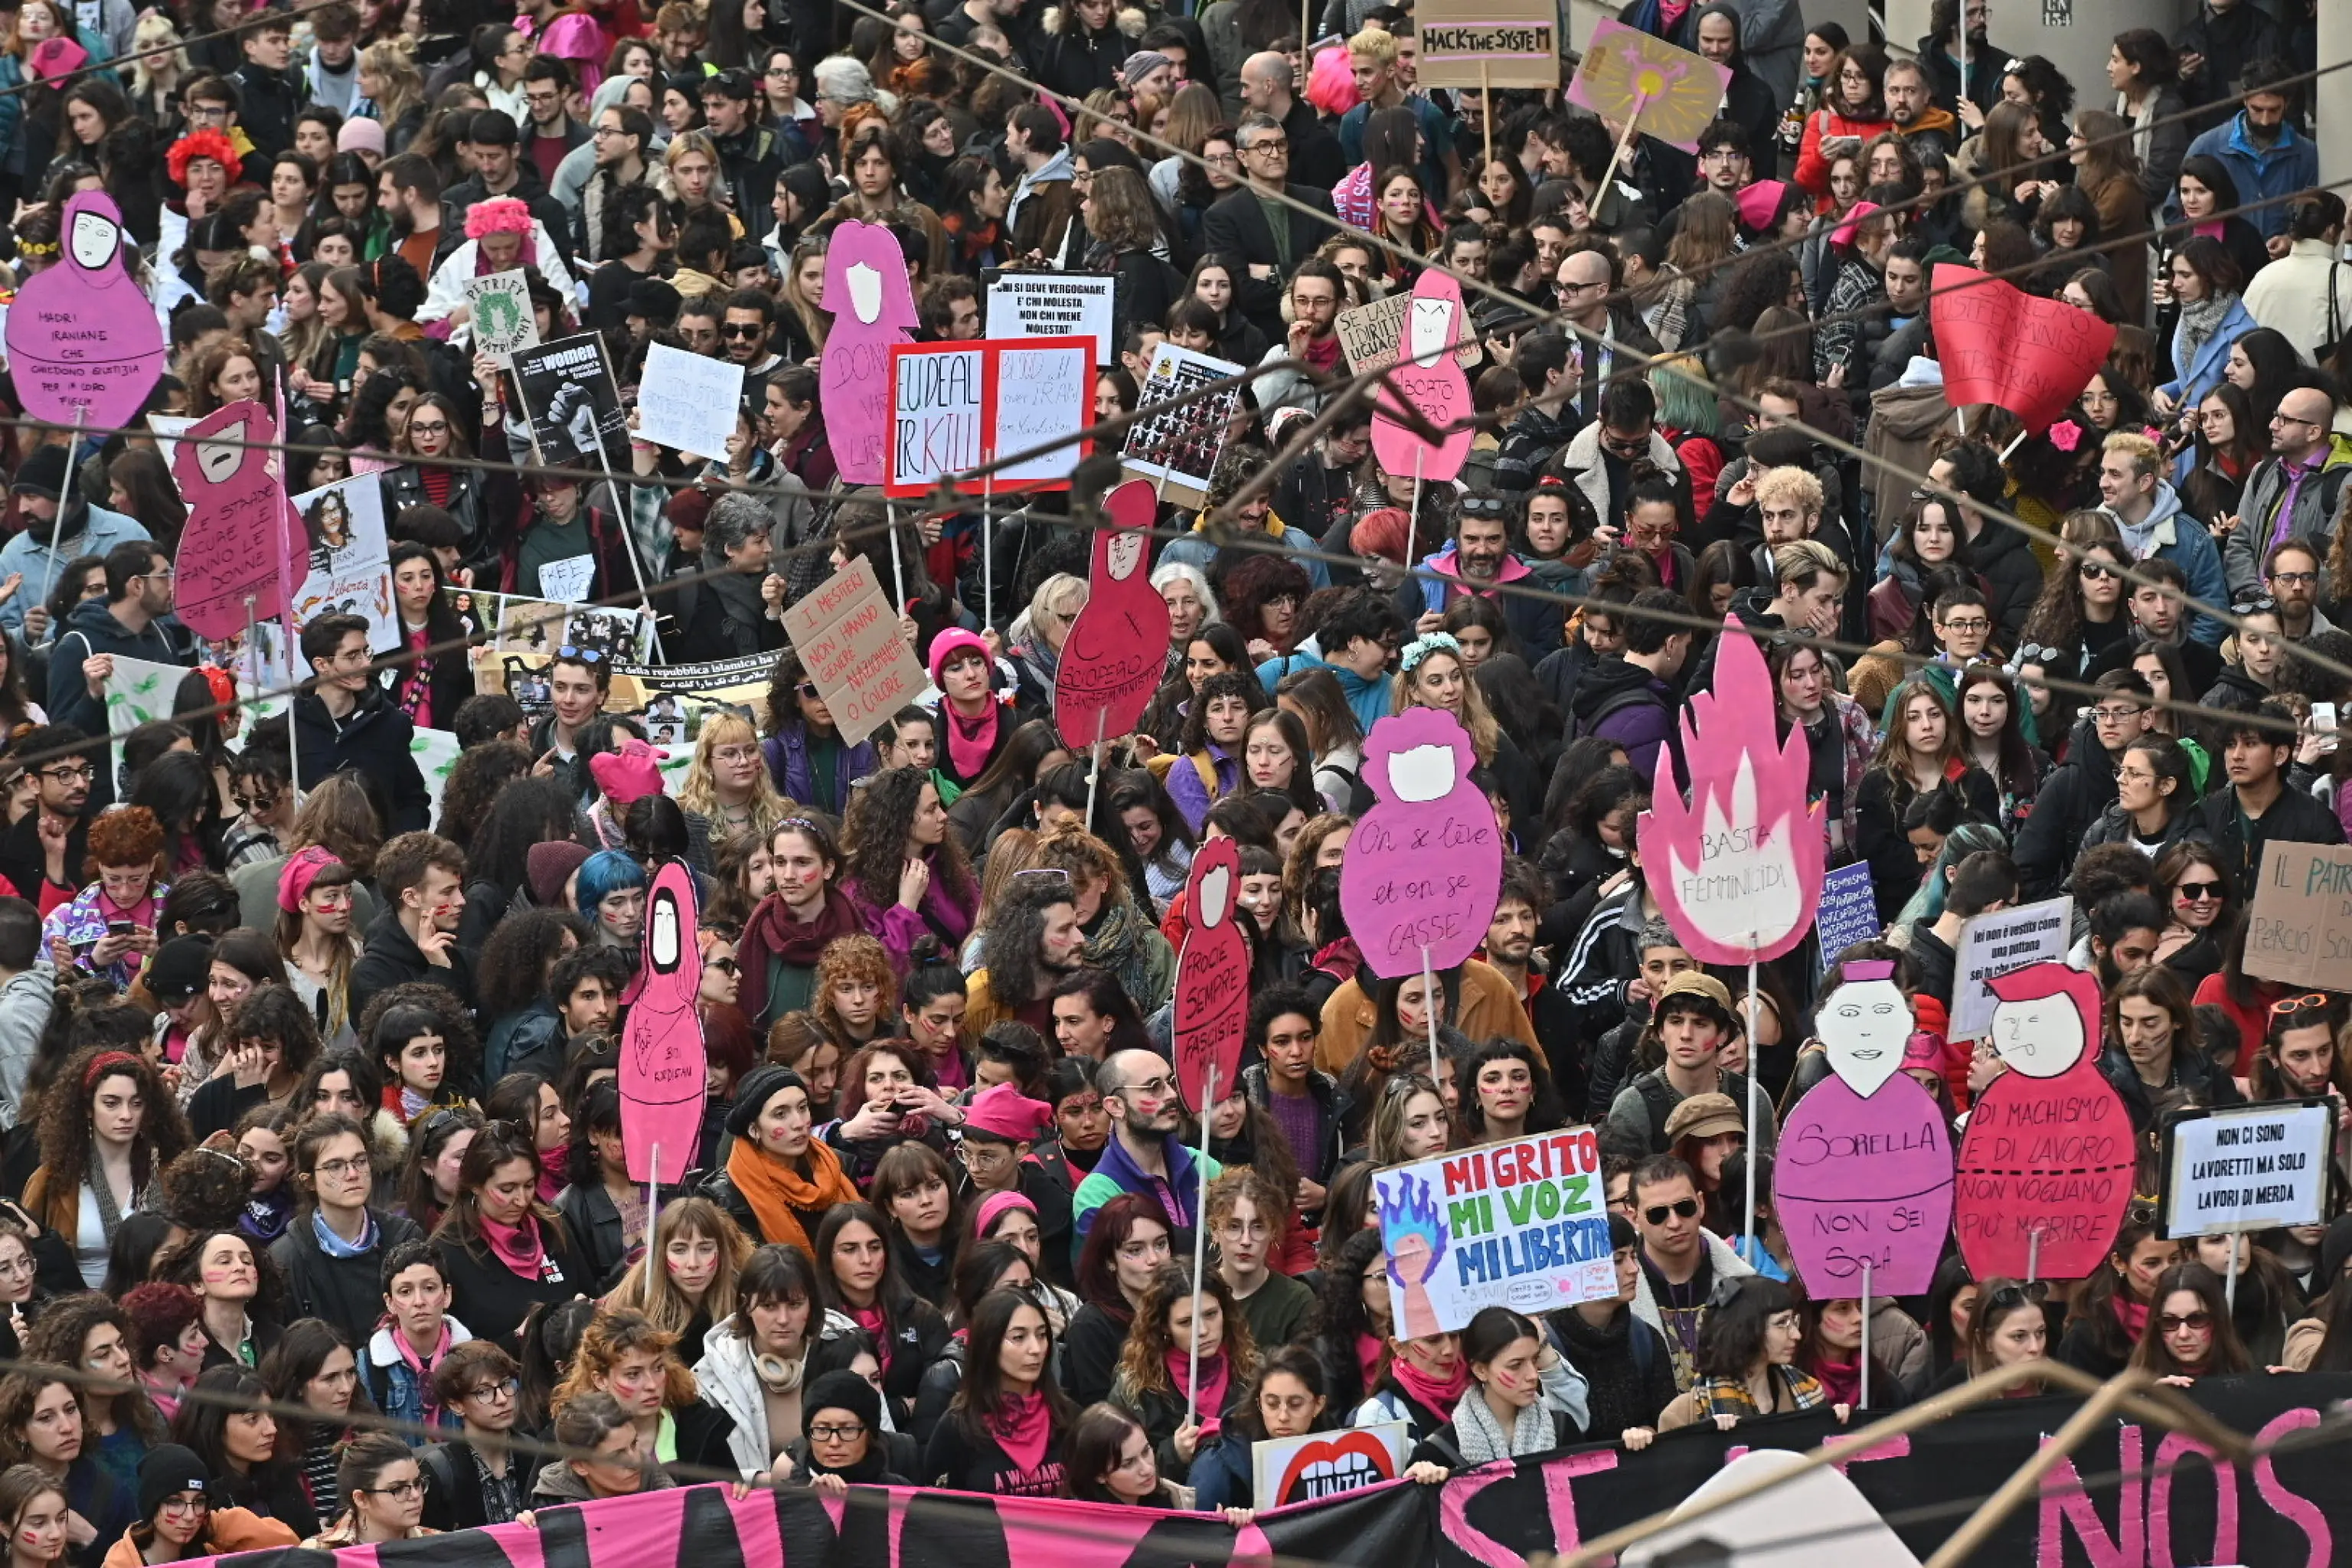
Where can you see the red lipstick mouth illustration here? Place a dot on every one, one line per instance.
(1349, 1461)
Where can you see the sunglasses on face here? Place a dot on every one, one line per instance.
(1687, 1208)
(2198, 892)
(2097, 571)
(2174, 1322)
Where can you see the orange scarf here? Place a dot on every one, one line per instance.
(778, 1194)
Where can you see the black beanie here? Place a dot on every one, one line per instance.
(842, 1391)
(751, 1096)
(166, 1472)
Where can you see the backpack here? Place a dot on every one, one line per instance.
(1616, 702)
(1360, 798)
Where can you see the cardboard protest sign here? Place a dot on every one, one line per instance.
(138, 692)
(1864, 1168)
(349, 558)
(1211, 1004)
(1318, 1465)
(688, 402)
(1995, 943)
(1627, 74)
(2299, 929)
(1052, 305)
(2000, 346)
(2045, 1166)
(847, 638)
(2247, 1168)
(663, 1076)
(1424, 865)
(1489, 43)
(1523, 1225)
(873, 307)
(1372, 336)
(1117, 647)
(1737, 868)
(498, 308)
(233, 554)
(957, 407)
(1041, 395)
(1847, 911)
(83, 343)
(576, 410)
(1431, 383)
(1177, 447)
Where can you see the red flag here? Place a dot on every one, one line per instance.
(2000, 346)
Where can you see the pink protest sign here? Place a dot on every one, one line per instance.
(83, 343)
(2000, 346)
(1627, 74)
(1117, 647)
(1863, 1171)
(1738, 868)
(662, 1058)
(1424, 866)
(235, 545)
(2045, 1168)
(1212, 977)
(54, 57)
(1426, 372)
(873, 307)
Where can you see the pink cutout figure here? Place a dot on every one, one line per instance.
(2049, 1146)
(1432, 381)
(1864, 1165)
(873, 307)
(83, 341)
(1117, 647)
(1212, 975)
(1424, 866)
(234, 543)
(1737, 870)
(663, 1062)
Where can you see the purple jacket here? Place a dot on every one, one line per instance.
(1192, 797)
(898, 928)
(790, 765)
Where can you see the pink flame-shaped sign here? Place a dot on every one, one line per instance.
(1738, 868)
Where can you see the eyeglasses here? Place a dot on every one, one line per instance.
(493, 1391)
(68, 774)
(1686, 1208)
(2198, 892)
(1484, 506)
(1968, 624)
(2293, 579)
(829, 1433)
(2283, 418)
(2113, 715)
(400, 1491)
(356, 1165)
(1269, 145)
(2097, 571)
(2310, 1002)
(725, 966)
(2173, 1322)
(435, 428)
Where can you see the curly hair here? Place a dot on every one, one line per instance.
(206, 1188)
(855, 957)
(1143, 1361)
(65, 1129)
(128, 835)
(1079, 853)
(60, 1334)
(1259, 579)
(874, 840)
(511, 971)
(613, 1333)
(1240, 683)
(213, 145)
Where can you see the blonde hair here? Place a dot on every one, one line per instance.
(154, 32)
(1376, 45)
(1486, 735)
(2142, 451)
(664, 1305)
(698, 791)
(1791, 484)
(613, 1333)
(395, 60)
(1046, 604)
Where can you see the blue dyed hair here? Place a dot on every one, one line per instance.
(606, 872)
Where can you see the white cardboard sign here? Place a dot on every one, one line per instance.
(688, 401)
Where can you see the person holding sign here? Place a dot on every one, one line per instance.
(1523, 1398)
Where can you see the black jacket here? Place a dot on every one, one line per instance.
(2194, 1073)
(1235, 226)
(2071, 800)
(2294, 817)
(372, 738)
(92, 629)
(492, 1301)
(268, 102)
(392, 957)
(2004, 559)
(453, 1497)
(529, 189)
(346, 1291)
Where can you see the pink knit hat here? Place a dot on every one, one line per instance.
(1852, 223)
(1004, 1112)
(1758, 202)
(630, 774)
(950, 643)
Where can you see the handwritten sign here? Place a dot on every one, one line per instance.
(232, 557)
(1112, 659)
(1626, 74)
(848, 636)
(873, 307)
(1847, 913)
(1041, 396)
(688, 401)
(939, 413)
(1523, 1225)
(2254, 1167)
(138, 692)
(663, 1071)
(2000, 346)
(1864, 1170)
(1212, 1003)
(1175, 445)
(498, 306)
(1430, 381)
(1423, 869)
(2045, 1168)
(1489, 43)
(1318, 1465)
(83, 343)
(2299, 930)
(958, 406)
(1742, 858)
(1372, 336)
(1994, 943)
(1052, 305)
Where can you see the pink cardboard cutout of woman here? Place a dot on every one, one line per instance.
(1432, 381)
(873, 307)
(83, 341)
(1117, 647)
(234, 543)
(663, 1062)
(1737, 871)
(1212, 977)
(1864, 1166)
(1424, 866)
(2046, 1163)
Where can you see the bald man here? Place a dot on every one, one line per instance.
(2293, 492)
(1268, 87)
(1146, 1152)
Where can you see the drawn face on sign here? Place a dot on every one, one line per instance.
(865, 293)
(1216, 888)
(1864, 1024)
(2045, 1018)
(94, 239)
(1429, 329)
(1126, 555)
(219, 459)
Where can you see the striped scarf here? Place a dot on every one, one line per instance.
(1729, 1396)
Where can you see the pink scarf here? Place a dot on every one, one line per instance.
(1440, 1397)
(1023, 1428)
(519, 1246)
(423, 1368)
(2133, 1316)
(1841, 1380)
(1368, 1350)
(550, 1182)
(871, 1319)
(970, 740)
(2211, 230)
(1209, 1408)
